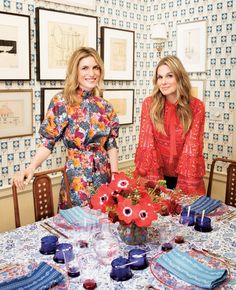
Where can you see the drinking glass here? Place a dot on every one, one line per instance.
(72, 264)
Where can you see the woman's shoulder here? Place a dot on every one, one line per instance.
(148, 100)
(58, 97)
(197, 105)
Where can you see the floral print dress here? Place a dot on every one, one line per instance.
(88, 131)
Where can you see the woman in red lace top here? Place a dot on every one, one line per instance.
(172, 129)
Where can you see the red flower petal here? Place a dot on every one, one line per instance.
(145, 215)
(101, 197)
(125, 211)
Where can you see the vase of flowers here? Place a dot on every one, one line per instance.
(133, 202)
(132, 234)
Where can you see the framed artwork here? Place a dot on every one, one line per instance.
(14, 47)
(46, 95)
(16, 115)
(88, 4)
(59, 34)
(117, 52)
(192, 45)
(123, 104)
(198, 89)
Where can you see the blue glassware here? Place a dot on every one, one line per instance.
(120, 271)
(48, 245)
(139, 257)
(59, 255)
(203, 225)
(187, 218)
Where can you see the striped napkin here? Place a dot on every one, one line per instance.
(41, 278)
(205, 203)
(190, 270)
(79, 217)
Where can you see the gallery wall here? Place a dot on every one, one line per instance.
(138, 16)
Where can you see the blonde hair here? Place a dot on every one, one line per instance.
(71, 82)
(184, 111)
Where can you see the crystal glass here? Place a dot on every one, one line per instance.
(105, 244)
(72, 263)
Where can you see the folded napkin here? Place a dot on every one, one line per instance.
(78, 216)
(41, 278)
(190, 270)
(205, 203)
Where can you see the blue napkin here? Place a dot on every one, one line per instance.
(205, 203)
(78, 216)
(190, 270)
(41, 278)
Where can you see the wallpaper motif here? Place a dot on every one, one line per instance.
(15, 153)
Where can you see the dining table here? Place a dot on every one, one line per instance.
(20, 250)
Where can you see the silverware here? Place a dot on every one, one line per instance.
(56, 230)
(124, 265)
(140, 255)
(226, 216)
(231, 217)
(227, 260)
(51, 232)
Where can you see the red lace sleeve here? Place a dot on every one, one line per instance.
(147, 158)
(191, 165)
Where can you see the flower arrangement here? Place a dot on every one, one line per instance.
(129, 200)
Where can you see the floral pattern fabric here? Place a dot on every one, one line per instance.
(173, 154)
(88, 131)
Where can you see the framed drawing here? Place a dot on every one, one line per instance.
(46, 95)
(117, 51)
(123, 104)
(88, 4)
(14, 46)
(16, 115)
(59, 34)
(198, 89)
(192, 44)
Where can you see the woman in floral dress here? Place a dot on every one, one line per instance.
(172, 129)
(87, 125)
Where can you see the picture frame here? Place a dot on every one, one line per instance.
(117, 52)
(46, 95)
(15, 63)
(192, 45)
(16, 113)
(122, 101)
(58, 35)
(198, 87)
(88, 4)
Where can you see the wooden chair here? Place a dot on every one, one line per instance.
(230, 193)
(42, 194)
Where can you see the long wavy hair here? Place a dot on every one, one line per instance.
(184, 97)
(71, 82)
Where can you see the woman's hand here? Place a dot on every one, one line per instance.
(23, 177)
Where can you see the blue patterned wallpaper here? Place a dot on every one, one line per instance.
(137, 15)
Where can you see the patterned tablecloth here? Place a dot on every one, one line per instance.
(19, 253)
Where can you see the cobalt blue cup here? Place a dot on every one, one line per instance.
(48, 245)
(139, 257)
(61, 250)
(119, 271)
(186, 219)
(203, 225)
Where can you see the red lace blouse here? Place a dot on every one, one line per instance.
(173, 154)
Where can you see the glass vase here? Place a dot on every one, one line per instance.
(132, 234)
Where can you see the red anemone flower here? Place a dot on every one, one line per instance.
(120, 182)
(125, 211)
(100, 199)
(145, 214)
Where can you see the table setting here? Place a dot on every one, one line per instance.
(187, 244)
